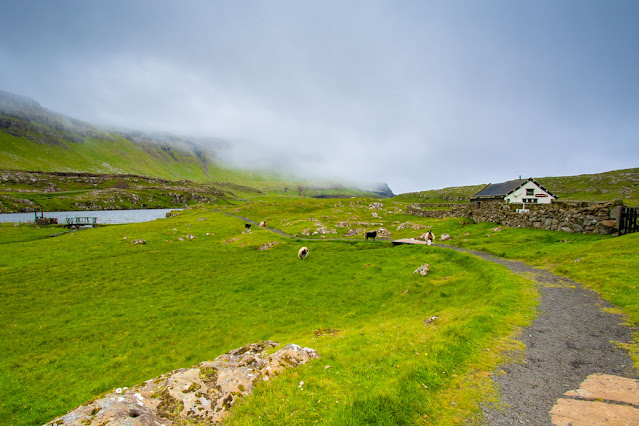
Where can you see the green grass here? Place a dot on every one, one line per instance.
(88, 311)
(300, 217)
(96, 156)
(21, 232)
(455, 194)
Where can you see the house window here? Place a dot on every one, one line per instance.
(530, 191)
(530, 200)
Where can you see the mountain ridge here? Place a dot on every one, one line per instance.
(33, 138)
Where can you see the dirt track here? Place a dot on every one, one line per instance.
(571, 339)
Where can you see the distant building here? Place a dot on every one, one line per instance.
(526, 191)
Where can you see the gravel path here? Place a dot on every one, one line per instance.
(569, 340)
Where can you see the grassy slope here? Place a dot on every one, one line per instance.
(454, 194)
(623, 184)
(87, 312)
(121, 156)
(98, 156)
(296, 216)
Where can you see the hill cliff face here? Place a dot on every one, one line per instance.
(34, 139)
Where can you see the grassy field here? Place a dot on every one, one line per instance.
(86, 312)
(333, 218)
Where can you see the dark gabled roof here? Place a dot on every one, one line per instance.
(500, 190)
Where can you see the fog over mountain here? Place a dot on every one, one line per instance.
(418, 94)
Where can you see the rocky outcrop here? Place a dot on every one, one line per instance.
(267, 245)
(101, 191)
(422, 270)
(202, 394)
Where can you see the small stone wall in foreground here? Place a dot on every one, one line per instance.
(202, 394)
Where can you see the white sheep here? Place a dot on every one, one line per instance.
(430, 237)
(302, 253)
(263, 224)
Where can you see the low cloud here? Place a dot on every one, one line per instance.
(416, 95)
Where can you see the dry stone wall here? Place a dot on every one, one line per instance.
(439, 210)
(577, 217)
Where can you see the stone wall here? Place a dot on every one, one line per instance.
(436, 211)
(578, 217)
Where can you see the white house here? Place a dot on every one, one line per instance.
(526, 191)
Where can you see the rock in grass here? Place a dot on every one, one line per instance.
(268, 245)
(138, 241)
(444, 237)
(422, 270)
(202, 394)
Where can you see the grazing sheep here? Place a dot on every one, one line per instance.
(430, 237)
(371, 235)
(303, 253)
(263, 224)
(247, 226)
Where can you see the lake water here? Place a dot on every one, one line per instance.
(104, 216)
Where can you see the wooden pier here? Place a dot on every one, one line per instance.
(80, 221)
(408, 241)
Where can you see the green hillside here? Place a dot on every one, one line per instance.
(622, 184)
(88, 167)
(607, 186)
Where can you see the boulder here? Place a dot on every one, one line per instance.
(267, 245)
(383, 232)
(422, 270)
(444, 237)
(202, 394)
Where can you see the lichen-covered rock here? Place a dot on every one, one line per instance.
(268, 245)
(383, 232)
(200, 394)
(323, 231)
(422, 270)
(138, 241)
(444, 237)
(414, 226)
(355, 231)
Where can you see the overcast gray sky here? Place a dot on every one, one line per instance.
(417, 94)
